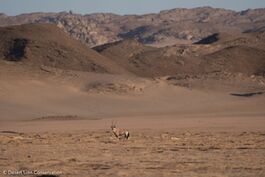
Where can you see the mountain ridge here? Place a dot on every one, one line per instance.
(164, 28)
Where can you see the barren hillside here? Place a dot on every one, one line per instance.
(47, 45)
(218, 53)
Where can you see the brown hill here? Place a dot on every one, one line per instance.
(46, 44)
(238, 53)
(236, 59)
(148, 61)
(241, 53)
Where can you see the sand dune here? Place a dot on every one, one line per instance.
(29, 99)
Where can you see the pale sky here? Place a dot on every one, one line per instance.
(15, 7)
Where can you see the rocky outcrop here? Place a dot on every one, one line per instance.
(167, 27)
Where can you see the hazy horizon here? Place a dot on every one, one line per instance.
(16, 7)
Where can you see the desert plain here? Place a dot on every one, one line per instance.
(192, 109)
(56, 127)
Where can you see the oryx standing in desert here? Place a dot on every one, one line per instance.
(119, 133)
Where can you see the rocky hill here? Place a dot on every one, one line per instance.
(165, 28)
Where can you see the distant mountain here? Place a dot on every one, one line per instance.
(161, 29)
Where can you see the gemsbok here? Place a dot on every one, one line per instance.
(119, 133)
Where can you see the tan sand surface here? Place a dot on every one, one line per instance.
(147, 153)
(55, 125)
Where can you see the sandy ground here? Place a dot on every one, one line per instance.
(63, 126)
(28, 99)
(146, 153)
